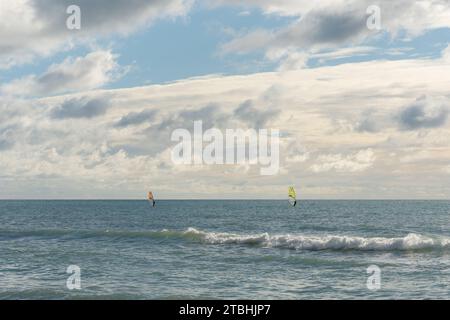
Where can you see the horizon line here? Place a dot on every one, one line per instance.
(225, 199)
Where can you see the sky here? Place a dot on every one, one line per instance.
(361, 97)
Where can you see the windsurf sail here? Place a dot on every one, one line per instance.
(151, 198)
(292, 196)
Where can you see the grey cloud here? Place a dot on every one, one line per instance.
(52, 79)
(255, 117)
(367, 123)
(334, 24)
(421, 115)
(37, 136)
(156, 137)
(83, 73)
(80, 108)
(62, 79)
(7, 137)
(324, 28)
(135, 118)
(211, 115)
(6, 144)
(101, 15)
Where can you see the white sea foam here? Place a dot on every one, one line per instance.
(327, 242)
(411, 241)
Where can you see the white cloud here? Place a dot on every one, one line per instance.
(417, 157)
(74, 74)
(30, 28)
(357, 162)
(72, 145)
(446, 53)
(292, 59)
(343, 53)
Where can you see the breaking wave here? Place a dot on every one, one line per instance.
(411, 241)
(327, 242)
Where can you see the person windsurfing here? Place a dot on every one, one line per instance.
(292, 196)
(151, 198)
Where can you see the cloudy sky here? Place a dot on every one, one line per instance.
(363, 112)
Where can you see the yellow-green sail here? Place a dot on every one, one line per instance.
(292, 193)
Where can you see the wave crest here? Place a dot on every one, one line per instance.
(411, 241)
(328, 242)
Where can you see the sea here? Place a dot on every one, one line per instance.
(225, 249)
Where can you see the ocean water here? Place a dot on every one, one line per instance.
(225, 249)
